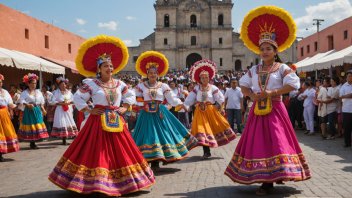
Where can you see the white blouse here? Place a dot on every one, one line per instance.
(37, 98)
(59, 97)
(213, 95)
(91, 88)
(280, 76)
(5, 98)
(162, 91)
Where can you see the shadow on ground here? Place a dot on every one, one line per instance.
(235, 191)
(198, 159)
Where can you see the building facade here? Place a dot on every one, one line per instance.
(187, 31)
(335, 37)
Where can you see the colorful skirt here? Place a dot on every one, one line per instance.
(101, 161)
(211, 128)
(64, 124)
(160, 136)
(268, 150)
(8, 137)
(32, 127)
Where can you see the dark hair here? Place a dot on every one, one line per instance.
(336, 79)
(327, 79)
(276, 57)
(307, 83)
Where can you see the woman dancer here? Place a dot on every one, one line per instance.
(158, 133)
(103, 157)
(268, 150)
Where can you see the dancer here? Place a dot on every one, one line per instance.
(8, 137)
(64, 126)
(32, 127)
(158, 133)
(209, 127)
(268, 150)
(103, 157)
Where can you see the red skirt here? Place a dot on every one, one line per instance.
(101, 161)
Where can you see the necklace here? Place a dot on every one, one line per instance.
(263, 76)
(152, 90)
(109, 90)
(204, 93)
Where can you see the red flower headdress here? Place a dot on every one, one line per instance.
(61, 79)
(204, 66)
(2, 77)
(29, 77)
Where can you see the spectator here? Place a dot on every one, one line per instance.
(346, 96)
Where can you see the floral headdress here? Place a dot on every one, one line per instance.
(201, 67)
(152, 60)
(2, 77)
(61, 79)
(30, 76)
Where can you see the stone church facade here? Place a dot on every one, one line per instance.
(189, 30)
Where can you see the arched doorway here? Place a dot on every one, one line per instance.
(192, 58)
(238, 65)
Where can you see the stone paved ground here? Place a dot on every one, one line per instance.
(25, 173)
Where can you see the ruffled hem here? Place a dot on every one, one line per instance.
(70, 131)
(167, 152)
(284, 167)
(9, 146)
(116, 182)
(219, 139)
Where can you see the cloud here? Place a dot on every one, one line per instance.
(128, 42)
(83, 31)
(26, 12)
(131, 18)
(111, 25)
(332, 12)
(81, 21)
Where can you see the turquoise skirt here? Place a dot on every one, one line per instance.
(32, 127)
(161, 136)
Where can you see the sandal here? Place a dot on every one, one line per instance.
(261, 192)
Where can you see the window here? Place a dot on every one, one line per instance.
(302, 52)
(26, 33)
(220, 41)
(193, 40)
(315, 46)
(46, 41)
(308, 49)
(193, 21)
(165, 41)
(69, 48)
(345, 34)
(220, 61)
(135, 58)
(166, 20)
(221, 20)
(330, 42)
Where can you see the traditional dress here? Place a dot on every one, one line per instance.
(158, 133)
(64, 125)
(8, 137)
(32, 127)
(268, 150)
(103, 157)
(208, 125)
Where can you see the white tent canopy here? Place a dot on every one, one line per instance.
(308, 64)
(335, 59)
(23, 60)
(6, 60)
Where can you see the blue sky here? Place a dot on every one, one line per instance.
(132, 20)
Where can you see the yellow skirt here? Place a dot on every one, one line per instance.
(211, 128)
(8, 137)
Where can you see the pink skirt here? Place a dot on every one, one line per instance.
(268, 150)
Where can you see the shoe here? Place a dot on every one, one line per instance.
(33, 146)
(206, 156)
(261, 192)
(306, 132)
(324, 138)
(238, 134)
(311, 133)
(331, 138)
(2, 158)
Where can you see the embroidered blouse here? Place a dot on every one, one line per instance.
(212, 95)
(59, 97)
(280, 75)
(37, 98)
(162, 91)
(93, 88)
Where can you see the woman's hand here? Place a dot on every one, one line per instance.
(29, 106)
(96, 111)
(122, 110)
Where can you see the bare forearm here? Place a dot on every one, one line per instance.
(284, 90)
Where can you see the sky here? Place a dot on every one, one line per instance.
(132, 20)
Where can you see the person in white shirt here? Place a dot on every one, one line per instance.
(234, 105)
(309, 108)
(322, 107)
(346, 96)
(331, 106)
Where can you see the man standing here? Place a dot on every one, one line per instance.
(234, 105)
(346, 96)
